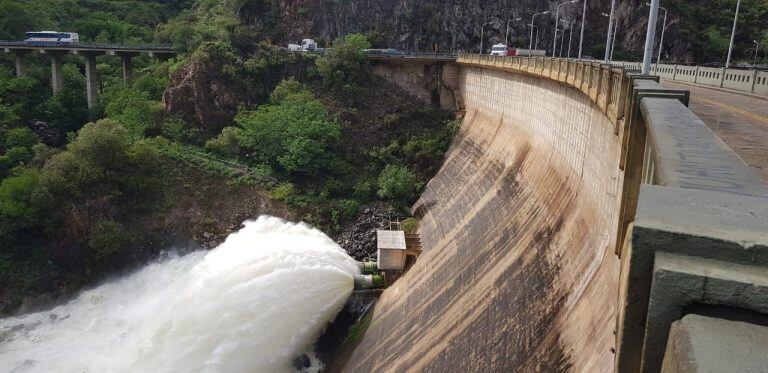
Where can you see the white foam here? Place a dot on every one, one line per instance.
(251, 305)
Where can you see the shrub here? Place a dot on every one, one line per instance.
(175, 128)
(135, 111)
(18, 208)
(345, 64)
(364, 189)
(283, 192)
(107, 239)
(286, 88)
(397, 184)
(23, 137)
(226, 144)
(410, 225)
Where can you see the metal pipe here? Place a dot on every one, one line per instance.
(368, 267)
(482, 30)
(610, 31)
(733, 34)
(650, 36)
(363, 282)
(533, 18)
(583, 18)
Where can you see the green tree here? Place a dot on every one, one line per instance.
(397, 184)
(23, 137)
(67, 110)
(345, 65)
(104, 162)
(19, 201)
(294, 134)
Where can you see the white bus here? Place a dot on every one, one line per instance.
(52, 37)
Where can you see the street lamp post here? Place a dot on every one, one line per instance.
(533, 17)
(663, 29)
(557, 18)
(583, 18)
(570, 38)
(482, 30)
(562, 37)
(733, 34)
(610, 31)
(613, 37)
(506, 37)
(650, 35)
(757, 47)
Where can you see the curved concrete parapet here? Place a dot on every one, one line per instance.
(541, 229)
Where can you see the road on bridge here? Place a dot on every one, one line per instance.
(740, 120)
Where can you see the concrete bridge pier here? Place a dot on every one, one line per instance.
(57, 78)
(19, 59)
(91, 80)
(126, 59)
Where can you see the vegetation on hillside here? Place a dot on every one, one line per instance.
(86, 192)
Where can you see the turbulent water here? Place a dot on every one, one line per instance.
(251, 305)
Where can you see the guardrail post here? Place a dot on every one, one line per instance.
(696, 75)
(754, 80)
(722, 77)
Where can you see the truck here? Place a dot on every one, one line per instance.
(504, 50)
(308, 45)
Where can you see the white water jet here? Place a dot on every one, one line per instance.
(251, 305)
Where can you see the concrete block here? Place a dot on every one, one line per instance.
(700, 344)
(696, 223)
(681, 281)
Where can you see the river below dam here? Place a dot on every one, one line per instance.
(253, 304)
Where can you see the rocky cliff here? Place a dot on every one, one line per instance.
(694, 31)
(455, 25)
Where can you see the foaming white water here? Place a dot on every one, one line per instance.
(251, 305)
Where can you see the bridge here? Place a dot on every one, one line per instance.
(584, 219)
(89, 51)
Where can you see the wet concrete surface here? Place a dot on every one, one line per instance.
(517, 272)
(741, 121)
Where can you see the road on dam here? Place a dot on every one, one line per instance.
(740, 120)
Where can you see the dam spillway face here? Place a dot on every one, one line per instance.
(517, 271)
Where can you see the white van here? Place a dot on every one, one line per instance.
(499, 50)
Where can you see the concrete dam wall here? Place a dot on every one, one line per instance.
(583, 220)
(518, 271)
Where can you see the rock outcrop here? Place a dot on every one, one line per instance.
(200, 94)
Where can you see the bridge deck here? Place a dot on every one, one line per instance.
(95, 47)
(738, 119)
